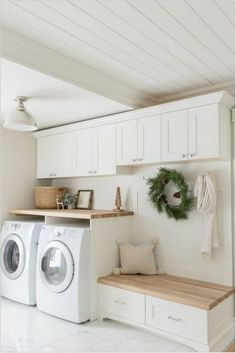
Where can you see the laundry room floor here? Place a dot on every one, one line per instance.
(26, 329)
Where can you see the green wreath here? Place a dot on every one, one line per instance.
(158, 197)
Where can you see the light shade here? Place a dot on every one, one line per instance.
(19, 119)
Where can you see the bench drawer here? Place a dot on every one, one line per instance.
(123, 303)
(178, 319)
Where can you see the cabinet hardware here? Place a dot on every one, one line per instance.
(134, 160)
(174, 319)
(184, 155)
(140, 159)
(90, 171)
(192, 154)
(153, 311)
(119, 302)
(94, 171)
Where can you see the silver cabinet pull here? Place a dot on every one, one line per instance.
(140, 159)
(119, 302)
(153, 311)
(192, 154)
(184, 155)
(174, 319)
(134, 159)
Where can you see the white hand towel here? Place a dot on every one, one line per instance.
(205, 191)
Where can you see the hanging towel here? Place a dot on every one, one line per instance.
(205, 191)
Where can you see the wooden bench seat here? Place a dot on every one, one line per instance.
(181, 290)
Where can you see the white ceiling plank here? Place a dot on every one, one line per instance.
(51, 22)
(35, 56)
(228, 9)
(137, 42)
(184, 14)
(175, 30)
(57, 33)
(123, 9)
(225, 31)
(59, 46)
(80, 17)
(181, 58)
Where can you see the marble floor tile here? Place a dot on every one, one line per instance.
(26, 329)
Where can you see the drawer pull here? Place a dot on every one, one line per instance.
(174, 319)
(118, 302)
(153, 312)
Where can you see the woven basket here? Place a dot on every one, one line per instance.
(45, 196)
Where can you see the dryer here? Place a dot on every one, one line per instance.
(18, 248)
(63, 274)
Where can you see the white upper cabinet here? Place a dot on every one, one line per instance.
(127, 142)
(84, 147)
(197, 128)
(196, 133)
(204, 132)
(95, 151)
(175, 136)
(149, 139)
(139, 141)
(55, 157)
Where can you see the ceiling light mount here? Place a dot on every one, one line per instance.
(20, 100)
(19, 119)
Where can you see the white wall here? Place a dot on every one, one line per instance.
(18, 171)
(178, 250)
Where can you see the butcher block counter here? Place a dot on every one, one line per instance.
(75, 213)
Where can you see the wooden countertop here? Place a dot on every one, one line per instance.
(181, 290)
(80, 214)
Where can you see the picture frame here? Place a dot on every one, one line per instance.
(85, 199)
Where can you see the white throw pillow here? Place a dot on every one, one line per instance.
(138, 259)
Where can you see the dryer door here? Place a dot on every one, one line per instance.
(13, 256)
(56, 266)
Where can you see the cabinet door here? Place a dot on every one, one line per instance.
(83, 141)
(175, 136)
(63, 154)
(149, 139)
(45, 157)
(204, 132)
(104, 162)
(127, 142)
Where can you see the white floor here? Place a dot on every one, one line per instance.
(26, 329)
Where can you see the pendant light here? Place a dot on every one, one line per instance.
(19, 119)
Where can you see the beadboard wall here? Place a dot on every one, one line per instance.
(178, 248)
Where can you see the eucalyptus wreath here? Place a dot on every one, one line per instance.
(158, 198)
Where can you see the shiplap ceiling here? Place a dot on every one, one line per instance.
(159, 48)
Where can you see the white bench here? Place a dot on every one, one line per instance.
(198, 314)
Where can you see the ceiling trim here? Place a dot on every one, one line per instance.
(36, 56)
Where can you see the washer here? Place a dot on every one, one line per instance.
(63, 276)
(18, 247)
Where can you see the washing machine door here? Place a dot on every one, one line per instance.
(56, 266)
(13, 256)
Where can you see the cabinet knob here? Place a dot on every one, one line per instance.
(90, 171)
(140, 159)
(184, 155)
(192, 154)
(134, 159)
(94, 171)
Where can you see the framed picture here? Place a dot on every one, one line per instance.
(85, 199)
